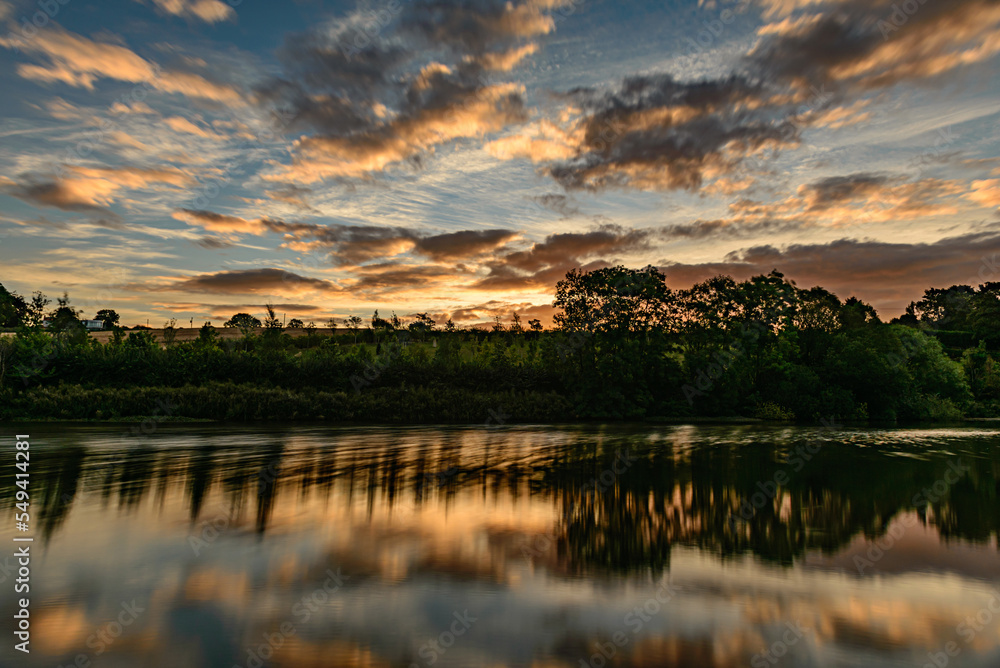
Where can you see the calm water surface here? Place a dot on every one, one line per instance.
(300, 546)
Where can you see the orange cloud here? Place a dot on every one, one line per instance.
(180, 124)
(86, 188)
(78, 61)
(217, 222)
(986, 193)
(210, 11)
(865, 44)
(474, 113)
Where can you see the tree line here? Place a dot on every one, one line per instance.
(625, 346)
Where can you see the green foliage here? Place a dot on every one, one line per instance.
(627, 348)
(243, 322)
(13, 309)
(109, 316)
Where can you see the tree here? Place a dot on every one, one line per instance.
(271, 319)
(515, 326)
(946, 309)
(295, 323)
(272, 326)
(36, 309)
(207, 336)
(13, 308)
(535, 325)
(422, 324)
(614, 299)
(354, 324)
(64, 317)
(243, 322)
(380, 323)
(170, 332)
(450, 326)
(108, 316)
(985, 316)
(855, 314)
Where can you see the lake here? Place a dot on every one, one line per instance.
(699, 546)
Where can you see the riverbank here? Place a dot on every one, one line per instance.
(246, 402)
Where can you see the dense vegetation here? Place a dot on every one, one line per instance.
(625, 347)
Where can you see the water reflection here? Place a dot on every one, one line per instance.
(370, 545)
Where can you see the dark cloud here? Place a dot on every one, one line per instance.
(815, 67)
(889, 275)
(89, 188)
(253, 280)
(561, 204)
(827, 192)
(478, 26)
(379, 279)
(53, 193)
(290, 193)
(870, 44)
(545, 263)
(422, 80)
(464, 244)
(487, 311)
(706, 229)
(657, 133)
(209, 308)
(354, 244)
(213, 243)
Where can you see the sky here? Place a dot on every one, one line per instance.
(190, 159)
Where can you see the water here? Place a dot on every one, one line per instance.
(538, 546)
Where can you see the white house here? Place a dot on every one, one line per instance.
(87, 324)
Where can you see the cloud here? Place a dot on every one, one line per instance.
(250, 281)
(546, 262)
(89, 188)
(463, 244)
(469, 112)
(292, 194)
(657, 133)
(879, 197)
(356, 244)
(379, 279)
(834, 201)
(131, 108)
(210, 11)
(373, 102)
(180, 124)
(815, 65)
(986, 193)
(889, 275)
(480, 26)
(218, 222)
(865, 44)
(507, 60)
(541, 142)
(487, 311)
(213, 243)
(561, 204)
(77, 61)
(225, 311)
